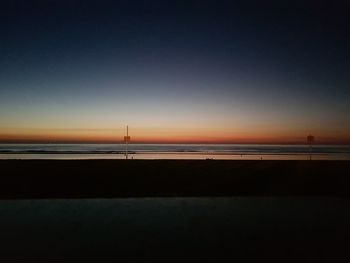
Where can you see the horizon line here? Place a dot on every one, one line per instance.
(174, 142)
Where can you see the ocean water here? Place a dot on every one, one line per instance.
(172, 151)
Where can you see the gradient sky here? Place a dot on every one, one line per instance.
(175, 71)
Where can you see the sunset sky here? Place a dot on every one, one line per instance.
(175, 71)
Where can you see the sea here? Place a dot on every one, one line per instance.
(175, 151)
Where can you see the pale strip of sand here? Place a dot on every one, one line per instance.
(173, 156)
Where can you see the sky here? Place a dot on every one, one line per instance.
(175, 71)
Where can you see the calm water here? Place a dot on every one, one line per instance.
(171, 151)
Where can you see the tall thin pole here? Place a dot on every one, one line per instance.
(310, 139)
(126, 141)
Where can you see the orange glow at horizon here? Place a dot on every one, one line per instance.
(165, 136)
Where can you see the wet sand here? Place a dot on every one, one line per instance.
(174, 156)
(216, 229)
(171, 178)
(174, 211)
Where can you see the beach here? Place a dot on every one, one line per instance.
(174, 210)
(215, 229)
(173, 152)
(171, 178)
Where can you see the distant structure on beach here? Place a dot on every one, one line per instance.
(310, 140)
(126, 141)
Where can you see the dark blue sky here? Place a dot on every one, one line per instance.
(238, 64)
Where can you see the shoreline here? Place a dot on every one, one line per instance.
(174, 156)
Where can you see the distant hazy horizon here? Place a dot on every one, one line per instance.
(80, 139)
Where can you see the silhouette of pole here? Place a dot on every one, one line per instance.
(126, 140)
(310, 139)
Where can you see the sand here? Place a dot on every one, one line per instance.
(171, 178)
(218, 211)
(197, 229)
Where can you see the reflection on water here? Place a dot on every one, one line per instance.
(176, 156)
(174, 151)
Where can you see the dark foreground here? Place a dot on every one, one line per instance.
(274, 211)
(220, 229)
(169, 178)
